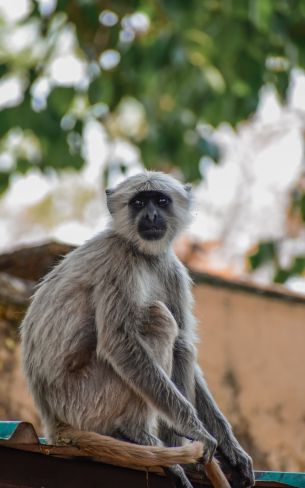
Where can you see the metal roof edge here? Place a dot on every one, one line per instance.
(275, 292)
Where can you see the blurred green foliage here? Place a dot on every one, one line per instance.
(269, 252)
(181, 66)
(197, 63)
(265, 252)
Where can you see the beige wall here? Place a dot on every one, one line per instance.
(252, 351)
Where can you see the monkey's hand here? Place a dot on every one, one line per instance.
(196, 432)
(209, 446)
(230, 448)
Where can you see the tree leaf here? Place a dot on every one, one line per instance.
(60, 99)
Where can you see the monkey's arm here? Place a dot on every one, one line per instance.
(219, 427)
(183, 367)
(183, 378)
(126, 352)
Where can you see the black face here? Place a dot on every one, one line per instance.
(151, 206)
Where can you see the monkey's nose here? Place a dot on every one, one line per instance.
(151, 213)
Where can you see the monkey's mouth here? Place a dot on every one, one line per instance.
(151, 233)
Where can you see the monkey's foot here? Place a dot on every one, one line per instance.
(235, 459)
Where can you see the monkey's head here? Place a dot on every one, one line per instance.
(149, 210)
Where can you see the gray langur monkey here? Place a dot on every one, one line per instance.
(108, 341)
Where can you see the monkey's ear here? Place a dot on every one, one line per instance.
(188, 187)
(109, 192)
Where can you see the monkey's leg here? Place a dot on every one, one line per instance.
(219, 427)
(175, 473)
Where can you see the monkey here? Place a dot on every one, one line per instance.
(108, 341)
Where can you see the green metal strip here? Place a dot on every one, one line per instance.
(292, 479)
(7, 429)
(296, 480)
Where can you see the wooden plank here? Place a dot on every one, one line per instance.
(20, 445)
(25, 469)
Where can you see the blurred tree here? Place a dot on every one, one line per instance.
(157, 74)
(152, 72)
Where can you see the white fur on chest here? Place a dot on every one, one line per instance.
(149, 287)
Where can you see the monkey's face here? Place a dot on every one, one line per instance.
(150, 210)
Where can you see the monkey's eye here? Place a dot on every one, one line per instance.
(137, 203)
(163, 201)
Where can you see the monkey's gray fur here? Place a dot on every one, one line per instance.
(108, 340)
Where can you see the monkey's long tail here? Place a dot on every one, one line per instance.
(127, 454)
(215, 475)
(124, 453)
